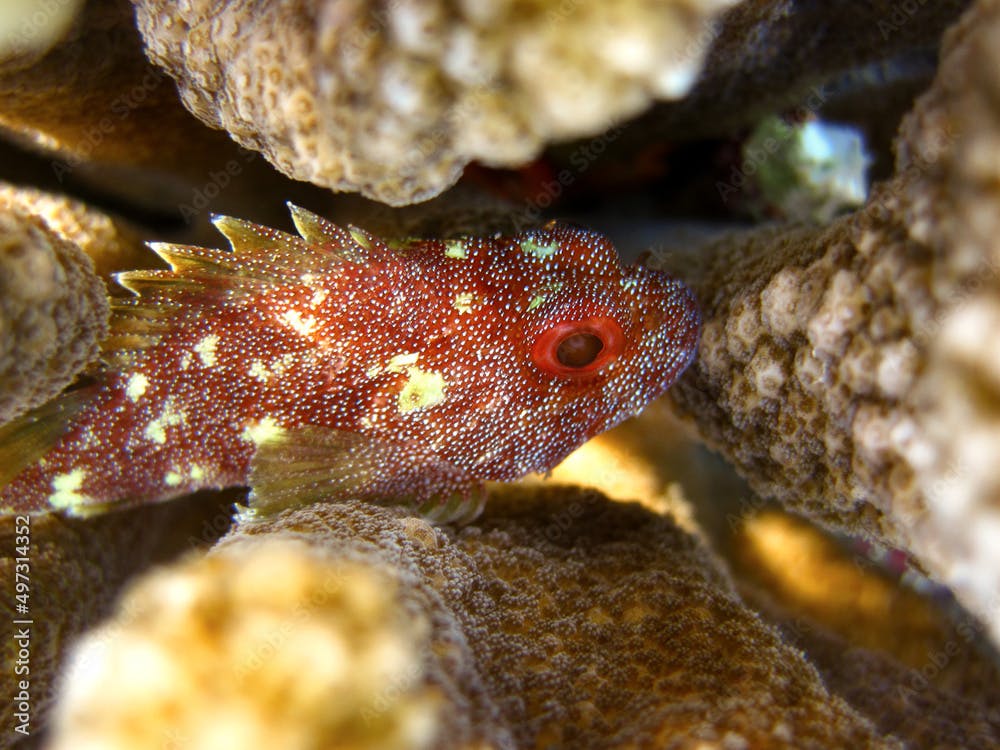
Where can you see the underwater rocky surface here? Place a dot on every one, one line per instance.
(798, 546)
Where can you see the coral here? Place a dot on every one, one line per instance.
(106, 115)
(53, 312)
(909, 704)
(823, 581)
(849, 372)
(797, 59)
(793, 374)
(265, 644)
(953, 135)
(916, 670)
(74, 571)
(840, 368)
(27, 32)
(900, 702)
(563, 619)
(111, 244)
(770, 55)
(393, 99)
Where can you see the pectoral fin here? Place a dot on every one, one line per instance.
(311, 464)
(30, 436)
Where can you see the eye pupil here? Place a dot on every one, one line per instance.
(579, 349)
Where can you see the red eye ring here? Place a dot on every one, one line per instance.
(550, 349)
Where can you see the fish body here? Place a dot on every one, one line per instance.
(336, 365)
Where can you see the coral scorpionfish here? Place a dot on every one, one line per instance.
(336, 365)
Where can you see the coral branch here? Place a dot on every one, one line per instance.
(850, 371)
(53, 311)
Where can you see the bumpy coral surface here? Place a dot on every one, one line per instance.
(111, 244)
(847, 370)
(70, 577)
(770, 55)
(562, 619)
(393, 99)
(53, 311)
(274, 644)
(805, 348)
(952, 137)
(909, 704)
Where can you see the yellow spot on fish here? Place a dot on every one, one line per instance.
(536, 250)
(463, 302)
(262, 431)
(396, 363)
(66, 490)
(156, 430)
(280, 365)
(178, 474)
(400, 362)
(542, 295)
(319, 297)
(186, 361)
(423, 390)
(304, 326)
(136, 386)
(205, 349)
(455, 249)
(259, 370)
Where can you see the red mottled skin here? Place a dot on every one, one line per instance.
(421, 353)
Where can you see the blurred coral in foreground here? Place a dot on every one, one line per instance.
(645, 595)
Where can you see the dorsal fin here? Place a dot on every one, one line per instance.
(352, 244)
(260, 257)
(136, 325)
(324, 234)
(247, 238)
(191, 258)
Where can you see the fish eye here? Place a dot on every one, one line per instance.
(578, 348)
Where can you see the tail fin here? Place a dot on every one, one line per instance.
(29, 437)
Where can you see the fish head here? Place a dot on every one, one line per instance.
(587, 343)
